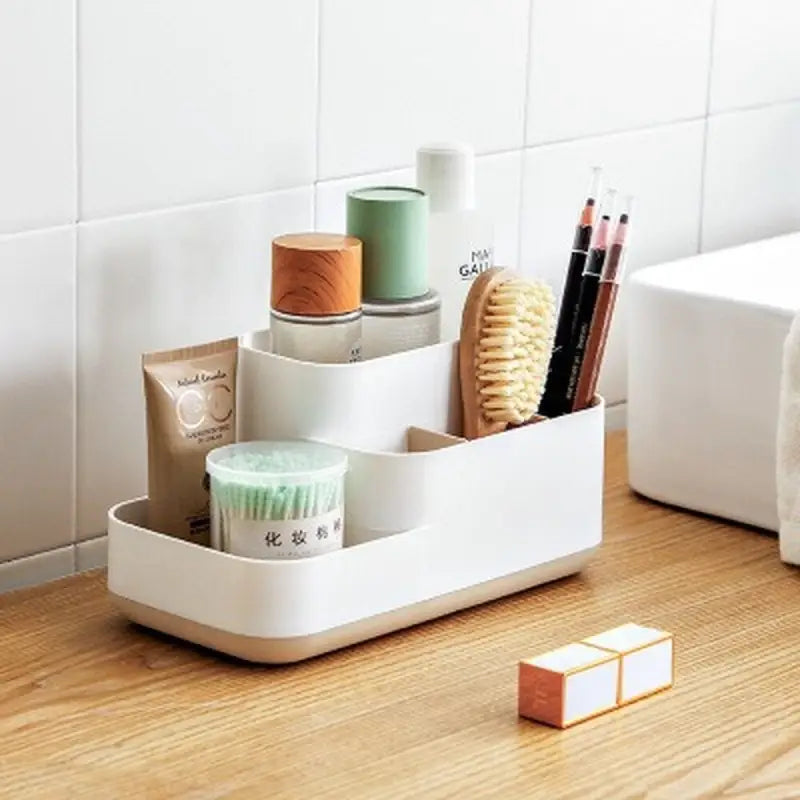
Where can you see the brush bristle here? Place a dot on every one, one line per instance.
(516, 343)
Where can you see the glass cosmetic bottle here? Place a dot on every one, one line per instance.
(401, 312)
(315, 310)
(461, 239)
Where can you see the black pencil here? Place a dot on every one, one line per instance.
(604, 309)
(590, 283)
(558, 376)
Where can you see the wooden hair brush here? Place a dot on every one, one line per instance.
(507, 331)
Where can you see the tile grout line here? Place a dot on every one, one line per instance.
(77, 111)
(95, 539)
(607, 134)
(392, 168)
(74, 481)
(317, 120)
(135, 213)
(525, 107)
(48, 551)
(745, 109)
(704, 155)
(410, 165)
(35, 563)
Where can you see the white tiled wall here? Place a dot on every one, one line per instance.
(37, 97)
(611, 65)
(149, 152)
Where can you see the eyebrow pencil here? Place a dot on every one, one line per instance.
(559, 362)
(608, 289)
(564, 389)
(588, 297)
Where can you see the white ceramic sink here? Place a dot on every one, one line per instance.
(706, 336)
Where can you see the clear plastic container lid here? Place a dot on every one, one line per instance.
(267, 463)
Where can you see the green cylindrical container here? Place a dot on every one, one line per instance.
(392, 223)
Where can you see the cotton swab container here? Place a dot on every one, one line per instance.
(277, 500)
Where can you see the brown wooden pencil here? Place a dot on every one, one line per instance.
(603, 311)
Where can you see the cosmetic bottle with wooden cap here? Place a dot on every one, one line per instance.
(316, 297)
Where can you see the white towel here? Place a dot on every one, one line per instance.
(789, 448)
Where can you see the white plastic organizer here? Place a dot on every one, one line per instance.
(433, 523)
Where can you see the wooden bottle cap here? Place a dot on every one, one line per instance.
(315, 274)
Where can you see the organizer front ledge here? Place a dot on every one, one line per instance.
(287, 650)
(284, 611)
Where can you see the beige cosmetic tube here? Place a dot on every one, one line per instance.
(190, 394)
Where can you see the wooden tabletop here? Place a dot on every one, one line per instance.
(91, 706)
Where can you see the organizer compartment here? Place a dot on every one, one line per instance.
(276, 612)
(391, 492)
(434, 523)
(537, 472)
(368, 404)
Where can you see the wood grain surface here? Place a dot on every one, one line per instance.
(93, 707)
(316, 273)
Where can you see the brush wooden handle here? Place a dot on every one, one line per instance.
(475, 424)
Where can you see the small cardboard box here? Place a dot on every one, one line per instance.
(647, 662)
(568, 685)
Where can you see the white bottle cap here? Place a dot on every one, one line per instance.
(446, 172)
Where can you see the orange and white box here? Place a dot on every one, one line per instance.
(568, 685)
(647, 659)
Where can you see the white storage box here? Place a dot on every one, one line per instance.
(433, 523)
(705, 346)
